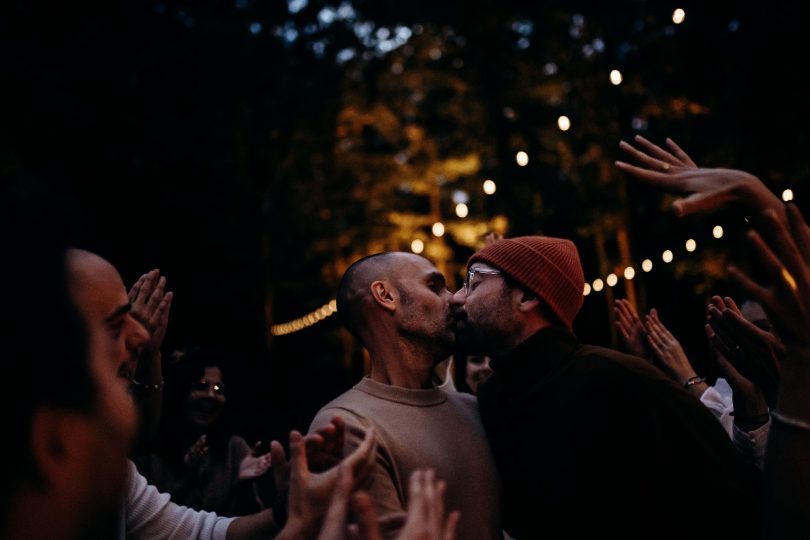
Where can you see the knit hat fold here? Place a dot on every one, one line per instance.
(547, 266)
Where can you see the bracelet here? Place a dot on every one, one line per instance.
(790, 421)
(693, 380)
(148, 387)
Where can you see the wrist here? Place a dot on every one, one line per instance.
(751, 422)
(145, 387)
(693, 380)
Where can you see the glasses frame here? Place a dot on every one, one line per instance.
(483, 271)
(197, 386)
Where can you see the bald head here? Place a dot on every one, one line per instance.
(354, 290)
(100, 296)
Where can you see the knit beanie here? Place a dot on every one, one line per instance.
(549, 267)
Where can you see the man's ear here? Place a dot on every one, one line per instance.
(526, 301)
(384, 294)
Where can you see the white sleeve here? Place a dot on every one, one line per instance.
(151, 515)
(720, 406)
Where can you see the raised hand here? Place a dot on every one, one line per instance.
(754, 353)
(150, 306)
(309, 493)
(426, 516)
(254, 465)
(194, 457)
(325, 446)
(668, 351)
(787, 298)
(425, 519)
(708, 189)
(631, 329)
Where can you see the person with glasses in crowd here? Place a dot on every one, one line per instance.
(199, 461)
(589, 442)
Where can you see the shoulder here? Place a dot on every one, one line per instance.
(461, 399)
(604, 361)
(347, 406)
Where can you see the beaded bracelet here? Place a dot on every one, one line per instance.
(693, 380)
(790, 421)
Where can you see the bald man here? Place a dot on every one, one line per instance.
(398, 306)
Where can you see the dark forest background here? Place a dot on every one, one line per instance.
(252, 150)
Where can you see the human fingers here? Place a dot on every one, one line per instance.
(679, 153)
(656, 151)
(136, 289)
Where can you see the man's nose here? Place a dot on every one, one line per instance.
(458, 298)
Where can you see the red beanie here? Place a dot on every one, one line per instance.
(549, 267)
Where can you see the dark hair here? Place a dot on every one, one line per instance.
(41, 329)
(348, 296)
(186, 367)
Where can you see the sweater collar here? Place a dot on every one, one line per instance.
(541, 354)
(406, 396)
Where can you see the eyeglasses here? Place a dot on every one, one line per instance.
(207, 386)
(472, 272)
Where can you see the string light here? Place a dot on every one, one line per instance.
(564, 123)
(629, 273)
(326, 310)
(522, 158)
(678, 16)
(462, 210)
(616, 77)
(438, 229)
(489, 187)
(417, 246)
(787, 195)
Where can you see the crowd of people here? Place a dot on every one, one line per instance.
(535, 435)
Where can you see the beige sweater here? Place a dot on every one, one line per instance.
(424, 428)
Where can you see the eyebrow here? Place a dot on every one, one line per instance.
(126, 308)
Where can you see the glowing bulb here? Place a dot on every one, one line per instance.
(587, 290)
(522, 158)
(629, 272)
(489, 187)
(717, 232)
(417, 246)
(612, 280)
(616, 77)
(787, 195)
(597, 284)
(438, 229)
(646, 265)
(691, 245)
(564, 123)
(462, 210)
(678, 16)
(667, 256)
